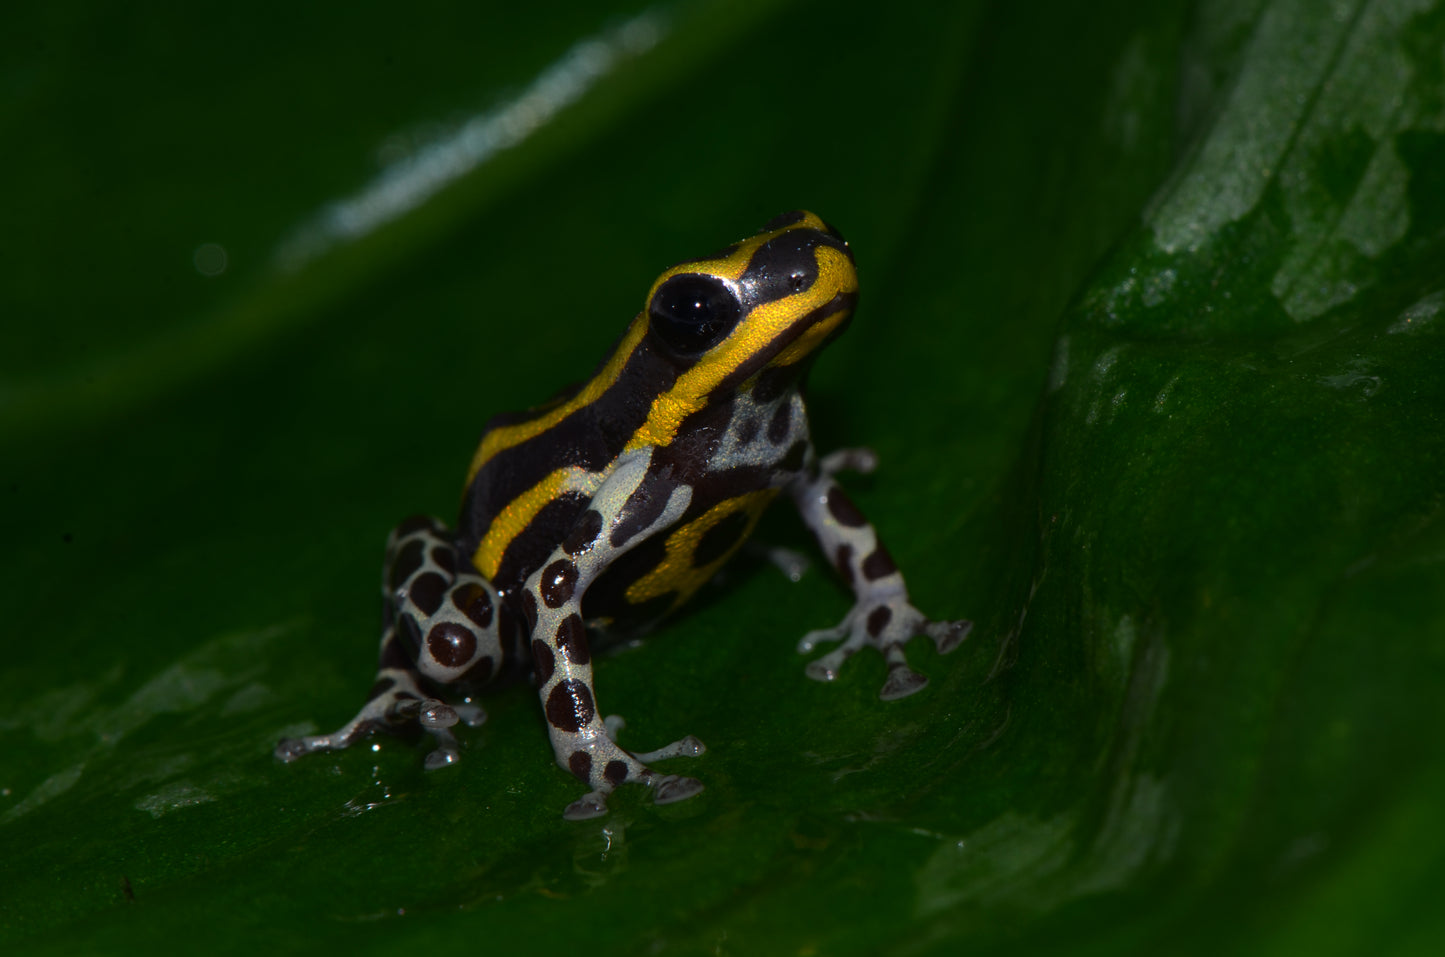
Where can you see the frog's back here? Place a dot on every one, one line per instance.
(519, 500)
(700, 393)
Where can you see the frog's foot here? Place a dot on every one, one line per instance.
(390, 711)
(792, 563)
(861, 459)
(884, 624)
(602, 765)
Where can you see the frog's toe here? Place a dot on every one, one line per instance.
(902, 682)
(448, 751)
(588, 806)
(827, 667)
(822, 636)
(861, 459)
(436, 715)
(472, 715)
(948, 635)
(289, 749)
(671, 788)
(688, 747)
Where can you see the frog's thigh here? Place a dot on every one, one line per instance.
(641, 503)
(438, 620)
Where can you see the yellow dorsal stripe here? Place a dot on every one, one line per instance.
(760, 328)
(505, 437)
(518, 514)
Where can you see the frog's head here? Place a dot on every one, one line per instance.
(769, 303)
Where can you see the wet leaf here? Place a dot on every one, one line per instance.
(1150, 346)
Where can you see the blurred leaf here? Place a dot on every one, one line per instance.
(1150, 345)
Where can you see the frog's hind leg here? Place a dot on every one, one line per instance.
(439, 626)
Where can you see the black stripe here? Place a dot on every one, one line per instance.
(590, 438)
(783, 219)
(535, 543)
(785, 265)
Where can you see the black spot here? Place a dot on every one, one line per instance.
(473, 601)
(843, 561)
(572, 640)
(569, 706)
(559, 580)
(841, 507)
(748, 430)
(426, 592)
(451, 644)
(584, 533)
(721, 539)
(406, 563)
(878, 619)
(380, 688)
(878, 565)
(529, 610)
(643, 507)
(543, 660)
(580, 764)
(615, 772)
(445, 558)
(67, 538)
(779, 424)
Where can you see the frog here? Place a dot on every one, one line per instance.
(604, 510)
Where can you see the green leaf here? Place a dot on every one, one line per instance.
(1151, 347)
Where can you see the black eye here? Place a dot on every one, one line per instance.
(692, 313)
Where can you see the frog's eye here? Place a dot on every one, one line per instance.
(691, 313)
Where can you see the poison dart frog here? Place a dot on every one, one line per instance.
(609, 506)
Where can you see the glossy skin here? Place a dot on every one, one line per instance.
(609, 506)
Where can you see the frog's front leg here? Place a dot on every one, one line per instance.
(633, 504)
(440, 625)
(882, 616)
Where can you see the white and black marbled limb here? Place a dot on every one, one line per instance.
(641, 502)
(440, 625)
(882, 616)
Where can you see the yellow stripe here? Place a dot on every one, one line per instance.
(757, 330)
(504, 437)
(805, 344)
(510, 521)
(676, 572)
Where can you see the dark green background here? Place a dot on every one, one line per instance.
(1151, 346)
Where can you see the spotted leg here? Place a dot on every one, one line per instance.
(882, 616)
(638, 502)
(440, 622)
